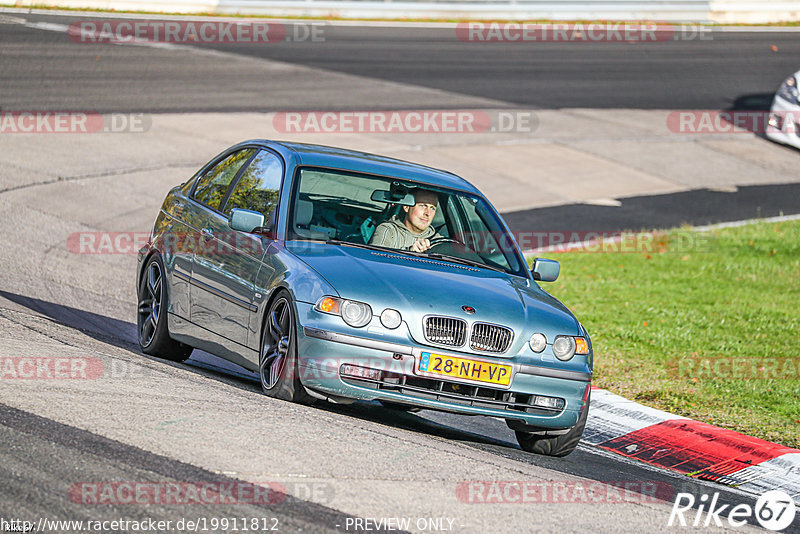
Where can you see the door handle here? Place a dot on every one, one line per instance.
(207, 233)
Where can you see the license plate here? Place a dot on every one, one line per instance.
(465, 369)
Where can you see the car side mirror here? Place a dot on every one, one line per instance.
(545, 270)
(245, 220)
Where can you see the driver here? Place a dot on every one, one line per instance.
(414, 232)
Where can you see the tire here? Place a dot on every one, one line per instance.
(151, 317)
(557, 446)
(277, 357)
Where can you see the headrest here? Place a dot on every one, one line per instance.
(303, 213)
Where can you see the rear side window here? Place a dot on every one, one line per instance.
(258, 186)
(214, 183)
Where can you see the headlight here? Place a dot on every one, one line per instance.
(390, 318)
(538, 342)
(356, 314)
(788, 90)
(564, 347)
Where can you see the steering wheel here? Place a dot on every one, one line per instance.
(443, 240)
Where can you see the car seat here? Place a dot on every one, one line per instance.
(303, 214)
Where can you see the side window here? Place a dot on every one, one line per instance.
(439, 220)
(212, 186)
(258, 186)
(483, 234)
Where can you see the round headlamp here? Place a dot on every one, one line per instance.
(564, 347)
(390, 318)
(356, 314)
(538, 342)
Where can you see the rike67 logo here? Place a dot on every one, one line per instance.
(774, 510)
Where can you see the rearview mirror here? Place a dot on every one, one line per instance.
(391, 198)
(245, 220)
(545, 270)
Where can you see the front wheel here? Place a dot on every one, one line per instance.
(151, 319)
(277, 360)
(556, 445)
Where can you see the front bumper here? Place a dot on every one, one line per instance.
(395, 377)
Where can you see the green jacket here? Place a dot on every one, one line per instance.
(394, 234)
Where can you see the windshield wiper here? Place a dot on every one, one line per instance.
(334, 241)
(464, 261)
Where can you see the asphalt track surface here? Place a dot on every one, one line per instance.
(46, 70)
(42, 457)
(65, 456)
(723, 70)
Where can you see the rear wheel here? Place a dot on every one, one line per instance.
(151, 318)
(277, 360)
(556, 445)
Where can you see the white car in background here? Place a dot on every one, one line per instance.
(784, 115)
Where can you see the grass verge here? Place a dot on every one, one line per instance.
(703, 325)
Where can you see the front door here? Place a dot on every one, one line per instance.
(226, 265)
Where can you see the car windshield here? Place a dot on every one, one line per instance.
(345, 208)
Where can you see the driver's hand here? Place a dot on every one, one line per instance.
(421, 245)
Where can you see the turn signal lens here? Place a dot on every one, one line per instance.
(329, 305)
(581, 346)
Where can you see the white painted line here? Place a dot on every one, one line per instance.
(364, 23)
(227, 17)
(745, 222)
(63, 28)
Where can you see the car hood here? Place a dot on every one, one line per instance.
(417, 286)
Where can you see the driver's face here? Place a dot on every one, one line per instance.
(420, 215)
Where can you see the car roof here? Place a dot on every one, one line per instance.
(353, 160)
